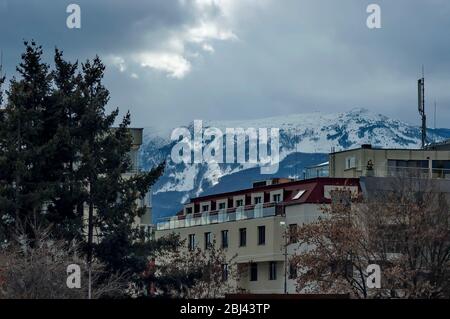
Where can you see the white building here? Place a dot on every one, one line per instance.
(255, 225)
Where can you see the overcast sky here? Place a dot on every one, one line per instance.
(172, 61)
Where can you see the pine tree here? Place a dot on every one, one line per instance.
(24, 190)
(63, 127)
(2, 146)
(62, 160)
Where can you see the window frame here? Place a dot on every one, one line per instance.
(224, 235)
(191, 242)
(261, 235)
(208, 241)
(273, 270)
(253, 272)
(242, 237)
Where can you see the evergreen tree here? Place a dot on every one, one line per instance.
(2, 116)
(62, 162)
(62, 129)
(25, 189)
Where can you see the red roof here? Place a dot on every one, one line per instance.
(314, 190)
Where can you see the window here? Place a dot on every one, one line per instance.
(392, 237)
(292, 233)
(343, 197)
(273, 270)
(222, 206)
(441, 169)
(207, 240)
(253, 272)
(239, 203)
(276, 198)
(299, 194)
(292, 271)
(343, 267)
(191, 242)
(412, 167)
(224, 238)
(242, 237)
(261, 235)
(257, 200)
(224, 272)
(188, 210)
(205, 208)
(350, 162)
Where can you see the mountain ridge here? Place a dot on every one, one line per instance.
(307, 134)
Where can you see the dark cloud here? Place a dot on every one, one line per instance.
(288, 56)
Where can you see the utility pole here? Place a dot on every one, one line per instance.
(285, 261)
(283, 224)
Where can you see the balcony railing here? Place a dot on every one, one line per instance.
(220, 216)
(399, 171)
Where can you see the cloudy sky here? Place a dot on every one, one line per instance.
(173, 61)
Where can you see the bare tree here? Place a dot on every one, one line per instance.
(402, 225)
(196, 273)
(37, 269)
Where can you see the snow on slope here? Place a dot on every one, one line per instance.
(305, 134)
(299, 133)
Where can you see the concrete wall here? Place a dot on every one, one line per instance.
(261, 254)
(273, 250)
(379, 158)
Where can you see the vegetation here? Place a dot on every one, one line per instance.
(63, 165)
(404, 229)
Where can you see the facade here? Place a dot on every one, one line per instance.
(368, 161)
(145, 221)
(254, 225)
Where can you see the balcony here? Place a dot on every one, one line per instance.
(398, 171)
(221, 216)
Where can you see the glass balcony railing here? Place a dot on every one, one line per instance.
(399, 171)
(220, 216)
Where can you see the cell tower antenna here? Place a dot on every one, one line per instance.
(435, 111)
(421, 94)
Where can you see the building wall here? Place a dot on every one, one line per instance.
(263, 285)
(379, 158)
(145, 221)
(272, 250)
(299, 215)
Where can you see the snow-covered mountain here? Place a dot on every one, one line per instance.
(305, 139)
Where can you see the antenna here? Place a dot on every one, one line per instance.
(421, 95)
(435, 108)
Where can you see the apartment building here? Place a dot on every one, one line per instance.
(431, 162)
(145, 221)
(254, 225)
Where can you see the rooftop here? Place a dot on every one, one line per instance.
(292, 193)
(370, 147)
